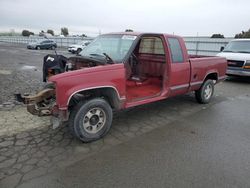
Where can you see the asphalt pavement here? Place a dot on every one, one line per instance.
(207, 149)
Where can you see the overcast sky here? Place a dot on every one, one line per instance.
(186, 18)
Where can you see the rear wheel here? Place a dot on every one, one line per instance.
(38, 48)
(53, 47)
(205, 93)
(91, 120)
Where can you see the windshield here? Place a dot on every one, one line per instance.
(238, 47)
(115, 46)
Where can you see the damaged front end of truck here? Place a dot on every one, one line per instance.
(40, 104)
(44, 104)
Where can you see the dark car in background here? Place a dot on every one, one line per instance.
(43, 44)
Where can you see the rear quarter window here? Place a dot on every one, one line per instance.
(175, 50)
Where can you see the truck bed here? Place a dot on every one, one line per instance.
(203, 65)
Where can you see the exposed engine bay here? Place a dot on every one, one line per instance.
(56, 64)
(42, 103)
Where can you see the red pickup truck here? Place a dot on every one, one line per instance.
(123, 70)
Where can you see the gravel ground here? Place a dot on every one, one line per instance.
(21, 69)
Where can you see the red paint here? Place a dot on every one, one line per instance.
(177, 78)
(69, 83)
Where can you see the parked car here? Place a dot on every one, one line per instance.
(77, 48)
(43, 44)
(237, 53)
(122, 70)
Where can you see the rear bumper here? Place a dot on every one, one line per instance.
(238, 72)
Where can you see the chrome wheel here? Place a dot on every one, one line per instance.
(94, 120)
(91, 120)
(205, 93)
(208, 91)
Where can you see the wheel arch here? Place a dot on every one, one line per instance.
(211, 76)
(109, 93)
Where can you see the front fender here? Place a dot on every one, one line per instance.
(73, 91)
(109, 76)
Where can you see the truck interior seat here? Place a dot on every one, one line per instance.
(149, 81)
(151, 65)
(146, 69)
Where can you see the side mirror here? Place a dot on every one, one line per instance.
(222, 48)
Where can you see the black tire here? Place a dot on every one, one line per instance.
(53, 47)
(38, 48)
(205, 93)
(81, 113)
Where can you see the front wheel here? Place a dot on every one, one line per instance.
(38, 48)
(91, 120)
(205, 93)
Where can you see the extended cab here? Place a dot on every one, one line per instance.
(237, 53)
(123, 70)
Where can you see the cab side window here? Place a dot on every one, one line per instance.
(176, 51)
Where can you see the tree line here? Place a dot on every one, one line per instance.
(64, 32)
(243, 34)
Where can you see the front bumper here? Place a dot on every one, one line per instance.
(238, 72)
(43, 104)
(36, 104)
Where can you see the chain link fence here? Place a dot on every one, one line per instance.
(195, 45)
(61, 41)
(205, 45)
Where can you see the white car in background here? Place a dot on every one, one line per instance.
(77, 48)
(237, 53)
